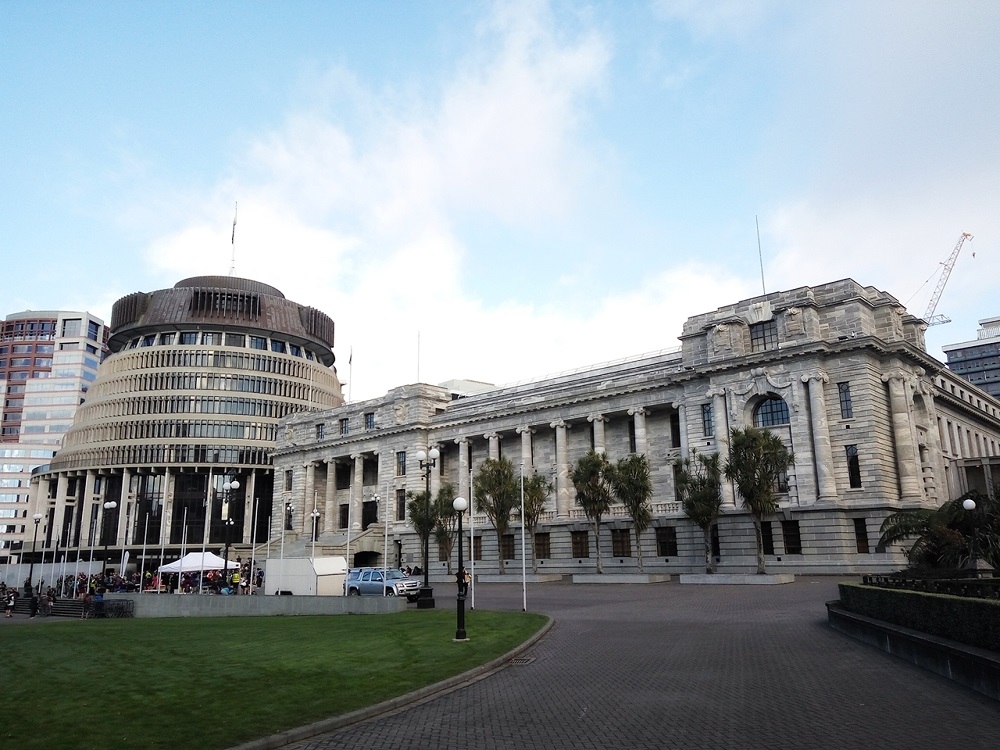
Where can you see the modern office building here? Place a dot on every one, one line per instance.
(979, 361)
(172, 446)
(839, 371)
(48, 360)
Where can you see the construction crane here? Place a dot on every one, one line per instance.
(929, 317)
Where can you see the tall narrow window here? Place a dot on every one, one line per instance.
(370, 420)
(288, 480)
(666, 541)
(345, 426)
(767, 537)
(542, 546)
(400, 505)
(846, 407)
(507, 546)
(861, 535)
(621, 543)
(400, 463)
(707, 423)
(581, 543)
(320, 431)
(853, 466)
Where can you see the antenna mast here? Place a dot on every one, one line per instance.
(232, 262)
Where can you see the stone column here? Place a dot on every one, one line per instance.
(494, 442)
(330, 499)
(250, 503)
(526, 460)
(563, 498)
(83, 506)
(825, 481)
(463, 469)
(167, 516)
(638, 414)
(598, 421)
(682, 425)
(123, 517)
(902, 431)
(720, 426)
(62, 485)
(357, 489)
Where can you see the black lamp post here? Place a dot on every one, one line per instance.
(460, 504)
(227, 524)
(428, 460)
(34, 542)
(108, 506)
(227, 527)
(970, 506)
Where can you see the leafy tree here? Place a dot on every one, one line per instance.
(423, 517)
(536, 491)
(948, 536)
(593, 493)
(445, 521)
(757, 458)
(699, 484)
(495, 488)
(631, 484)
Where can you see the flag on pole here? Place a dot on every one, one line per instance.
(235, 211)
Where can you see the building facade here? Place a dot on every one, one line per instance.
(979, 361)
(839, 371)
(172, 446)
(48, 361)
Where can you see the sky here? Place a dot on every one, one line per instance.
(500, 191)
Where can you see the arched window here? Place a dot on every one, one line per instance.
(770, 412)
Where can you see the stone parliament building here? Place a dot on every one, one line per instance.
(221, 379)
(839, 371)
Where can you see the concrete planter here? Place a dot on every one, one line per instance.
(730, 579)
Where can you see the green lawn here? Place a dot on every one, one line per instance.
(216, 682)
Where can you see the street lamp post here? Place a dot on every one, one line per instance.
(315, 521)
(34, 542)
(460, 504)
(427, 460)
(227, 525)
(970, 505)
(110, 505)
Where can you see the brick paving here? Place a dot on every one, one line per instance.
(700, 667)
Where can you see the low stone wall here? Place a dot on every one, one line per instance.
(974, 668)
(620, 578)
(195, 605)
(730, 579)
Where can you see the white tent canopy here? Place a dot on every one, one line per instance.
(197, 561)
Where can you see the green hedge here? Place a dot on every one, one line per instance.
(975, 622)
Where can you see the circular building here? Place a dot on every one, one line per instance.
(172, 446)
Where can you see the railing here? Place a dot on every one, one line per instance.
(987, 588)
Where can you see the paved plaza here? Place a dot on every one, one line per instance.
(672, 666)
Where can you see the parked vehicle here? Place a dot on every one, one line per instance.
(381, 582)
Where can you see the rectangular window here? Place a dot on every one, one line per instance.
(853, 466)
(400, 463)
(442, 556)
(345, 426)
(320, 431)
(211, 339)
(543, 550)
(581, 543)
(92, 330)
(278, 346)
(666, 541)
(621, 543)
(793, 541)
(861, 535)
(400, 505)
(167, 338)
(767, 537)
(370, 420)
(189, 338)
(477, 548)
(72, 327)
(288, 480)
(763, 336)
(707, 423)
(716, 545)
(507, 546)
(236, 339)
(846, 407)
(258, 342)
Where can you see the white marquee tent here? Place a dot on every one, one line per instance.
(197, 561)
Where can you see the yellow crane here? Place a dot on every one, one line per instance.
(929, 317)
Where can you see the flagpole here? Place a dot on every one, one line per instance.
(385, 522)
(142, 574)
(164, 531)
(524, 576)
(184, 536)
(253, 542)
(472, 540)
(204, 536)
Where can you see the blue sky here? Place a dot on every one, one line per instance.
(525, 187)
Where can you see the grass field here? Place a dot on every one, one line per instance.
(210, 683)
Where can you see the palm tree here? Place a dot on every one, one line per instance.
(632, 485)
(948, 536)
(536, 492)
(445, 520)
(699, 484)
(593, 493)
(495, 488)
(757, 459)
(423, 518)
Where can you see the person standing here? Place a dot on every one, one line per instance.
(8, 603)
